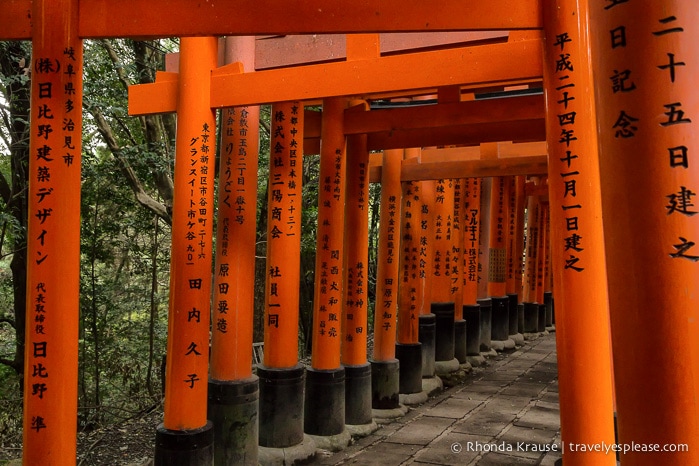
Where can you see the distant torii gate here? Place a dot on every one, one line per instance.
(57, 28)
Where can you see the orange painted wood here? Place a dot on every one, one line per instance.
(387, 276)
(131, 18)
(576, 227)
(532, 249)
(410, 286)
(497, 269)
(447, 114)
(284, 236)
(472, 65)
(648, 109)
(475, 66)
(520, 131)
(362, 46)
(541, 253)
(234, 270)
(53, 237)
(327, 303)
(187, 367)
(471, 237)
(457, 250)
(442, 206)
(512, 228)
(288, 50)
(520, 204)
(354, 317)
(428, 193)
(15, 21)
(475, 168)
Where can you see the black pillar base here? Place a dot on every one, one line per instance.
(358, 395)
(486, 323)
(324, 408)
(409, 358)
(513, 314)
(444, 331)
(184, 447)
(531, 317)
(385, 384)
(548, 302)
(472, 314)
(426, 335)
(520, 318)
(500, 318)
(460, 352)
(541, 324)
(233, 411)
(281, 406)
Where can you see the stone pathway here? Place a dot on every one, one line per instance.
(505, 414)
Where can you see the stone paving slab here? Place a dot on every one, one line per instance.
(512, 400)
(422, 431)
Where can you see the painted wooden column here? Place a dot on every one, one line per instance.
(577, 243)
(514, 261)
(531, 309)
(497, 264)
(282, 378)
(426, 320)
(233, 389)
(645, 61)
(457, 277)
(470, 239)
(354, 317)
(442, 298)
(325, 380)
(190, 269)
(384, 365)
(541, 264)
(408, 346)
(53, 236)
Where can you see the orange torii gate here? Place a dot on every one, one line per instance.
(68, 21)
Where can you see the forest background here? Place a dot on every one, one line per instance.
(127, 192)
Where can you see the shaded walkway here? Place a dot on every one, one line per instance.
(511, 403)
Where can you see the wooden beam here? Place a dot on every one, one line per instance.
(528, 165)
(483, 65)
(467, 65)
(280, 51)
(521, 130)
(167, 18)
(15, 20)
(450, 114)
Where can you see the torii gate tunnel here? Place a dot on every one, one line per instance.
(579, 112)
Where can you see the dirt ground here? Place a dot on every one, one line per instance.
(130, 443)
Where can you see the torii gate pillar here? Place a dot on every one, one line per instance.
(647, 61)
(53, 236)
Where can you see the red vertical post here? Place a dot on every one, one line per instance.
(426, 332)
(354, 315)
(471, 196)
(577, 243)
(646, 62)
(190, 269)
(53, 236)
(325, 383)
(531, 307)
(408, 346)
(443, 291)
(384, 365)
(513, 262)
(497, 264)
(388, 247)
(233, 389)
(281, 376)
